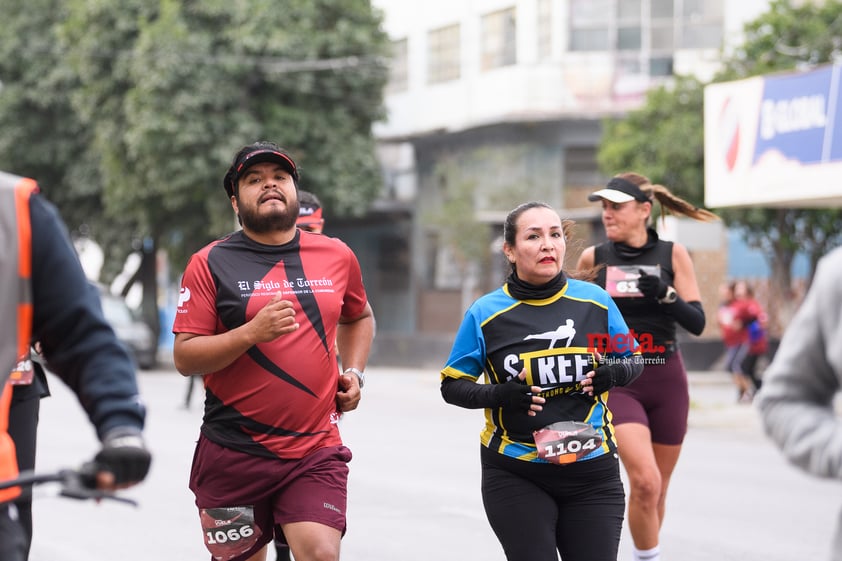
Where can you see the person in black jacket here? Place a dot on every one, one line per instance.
(23, 428)
(59, 308)
(654, 285)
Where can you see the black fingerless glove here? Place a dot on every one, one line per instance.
(651, 286)
(605, 377)
(622, 372)
(513, 394)
(125, 455)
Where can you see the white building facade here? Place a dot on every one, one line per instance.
(502, 101)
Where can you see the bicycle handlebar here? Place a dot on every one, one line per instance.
(79, 483)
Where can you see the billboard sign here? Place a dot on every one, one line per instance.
(774, 140)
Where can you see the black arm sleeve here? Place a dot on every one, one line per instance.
(689, 315)
(632, 368)
(78, 344)
(468, 394)
(513, 394)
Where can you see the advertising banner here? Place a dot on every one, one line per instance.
(774, 140)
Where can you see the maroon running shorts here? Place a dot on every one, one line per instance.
(232, 486)
(659, 399)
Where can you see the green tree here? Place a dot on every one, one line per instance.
(662, 139)
(453, 220)
(42, 137)
(148, 101)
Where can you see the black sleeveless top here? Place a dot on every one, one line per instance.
(643, 315)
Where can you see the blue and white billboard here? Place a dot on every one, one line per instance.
(774, 140)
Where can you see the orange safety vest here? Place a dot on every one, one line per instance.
(15, 272)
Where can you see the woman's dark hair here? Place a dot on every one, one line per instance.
(510, 225)
(567, 226)
(669, 202)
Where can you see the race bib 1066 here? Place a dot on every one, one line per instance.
(229, 531)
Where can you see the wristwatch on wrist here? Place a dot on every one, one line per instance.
(358, 373)
(670, 297)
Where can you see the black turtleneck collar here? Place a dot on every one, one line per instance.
(628, 252)
(523, 290)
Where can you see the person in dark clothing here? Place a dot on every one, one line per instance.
(654, 285)
(23, 428)
(310, 219)
(78, 344)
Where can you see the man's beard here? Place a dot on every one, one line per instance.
(279, 220)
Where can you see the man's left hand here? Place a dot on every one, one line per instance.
(349, 394)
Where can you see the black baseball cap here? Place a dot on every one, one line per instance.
(620, 190)
(257, 153)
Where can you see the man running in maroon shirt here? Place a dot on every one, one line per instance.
(259, 314)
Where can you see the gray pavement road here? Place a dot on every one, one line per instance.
(414, 487)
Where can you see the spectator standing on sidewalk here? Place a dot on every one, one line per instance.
(800, 387)
(755, 322)
(734, 337)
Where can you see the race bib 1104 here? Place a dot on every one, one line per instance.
(566, 442)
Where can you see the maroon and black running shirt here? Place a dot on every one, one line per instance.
(279, 398)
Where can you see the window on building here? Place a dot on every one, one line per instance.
(662, 36)
(580, 166)
(696, 10)
(589, 26)
(660, 66)
(629, 38)
(653, 29)
(704, 36)
(589, 39)
(545, 29)
(701, 24)
(443, 57)
(662, 9)
(629, 10)
(629, 64)
(399, 67)
(629, 21)
(499, 39)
